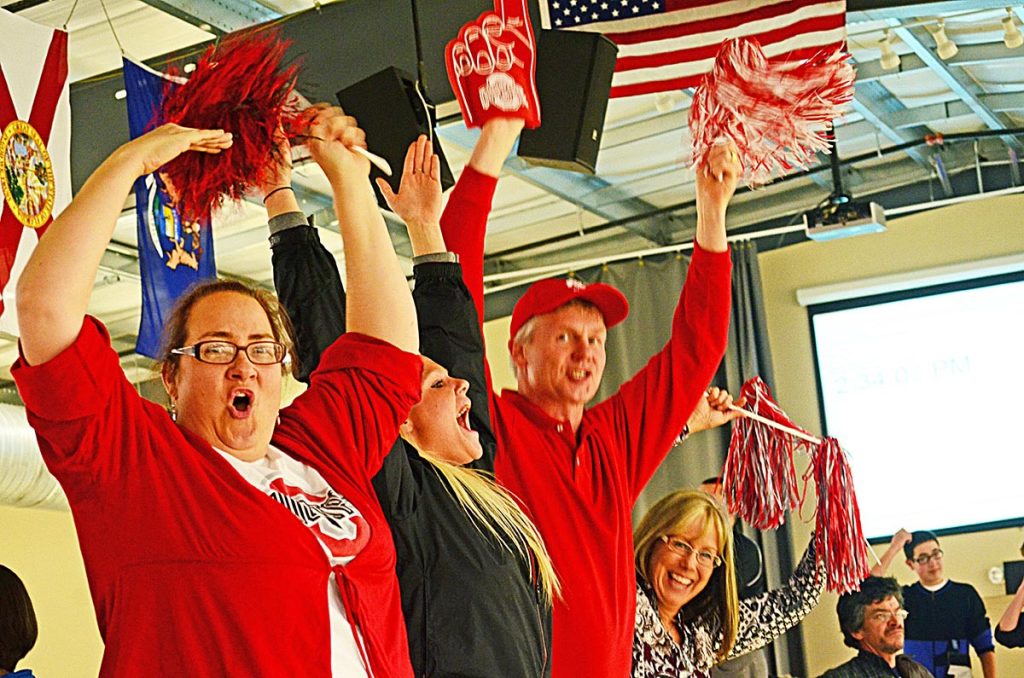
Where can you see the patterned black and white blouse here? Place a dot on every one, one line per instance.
(763, 618)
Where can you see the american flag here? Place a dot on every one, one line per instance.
(670, 44)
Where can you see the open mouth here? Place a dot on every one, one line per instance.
(241, 403)
(463, 417)
(578, 374)
(680, 580)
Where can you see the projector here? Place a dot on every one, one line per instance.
(844, 220)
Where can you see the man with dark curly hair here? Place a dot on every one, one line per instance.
(872, 623)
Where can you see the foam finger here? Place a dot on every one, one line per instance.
(512, 9)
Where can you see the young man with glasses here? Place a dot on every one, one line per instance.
(946, 617)
(872, 621)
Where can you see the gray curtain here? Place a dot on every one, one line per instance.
(652, 287)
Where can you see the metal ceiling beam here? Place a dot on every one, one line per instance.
(922, 115)
(218, 16)
(969, 55)
(915, 39)
(869, 10)
(874, 102)
(587, 192)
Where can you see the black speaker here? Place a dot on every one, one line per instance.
(574, 77)
(392, 113)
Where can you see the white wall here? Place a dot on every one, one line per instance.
(41, 547)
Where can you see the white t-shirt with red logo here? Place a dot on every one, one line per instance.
(337, 524)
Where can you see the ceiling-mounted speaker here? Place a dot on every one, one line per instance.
(393, 113)
(574, 77)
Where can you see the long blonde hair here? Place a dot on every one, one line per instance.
(493, 508)
(679, 512)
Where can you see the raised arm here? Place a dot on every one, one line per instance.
(497, 49)
(464, 222)
(54, 289)
(700, 328)
(379, 303)
(1010, 631)
(448, 322)
(306, 275)
(765, 617)
(895, 549)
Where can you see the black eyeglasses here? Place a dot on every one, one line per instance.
(224, 352)
(925, 557)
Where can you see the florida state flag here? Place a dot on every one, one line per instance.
(35, 144)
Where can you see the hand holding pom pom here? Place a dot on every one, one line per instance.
(775, 111)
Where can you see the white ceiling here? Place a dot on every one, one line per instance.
(642, 153)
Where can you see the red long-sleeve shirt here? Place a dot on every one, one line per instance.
(192, 570)
(580, 487)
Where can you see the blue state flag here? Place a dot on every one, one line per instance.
(172, 255)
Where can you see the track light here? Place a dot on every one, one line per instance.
(668, 101)
(890, 60)
(1012, 37)
(944, 47)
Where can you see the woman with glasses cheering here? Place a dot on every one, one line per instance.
(688, 615)
(231, 537)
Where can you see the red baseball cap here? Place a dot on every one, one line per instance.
(548, 295)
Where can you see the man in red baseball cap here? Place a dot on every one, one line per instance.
(578, 471)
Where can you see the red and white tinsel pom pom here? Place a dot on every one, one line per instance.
(242, 87)
(776, 111)
(839, 537)
(759, 479)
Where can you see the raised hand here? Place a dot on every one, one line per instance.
(158, 147)
(718, 177)
(332, 135)
(716, 184)
(901, 538)
(491, 66)
(418, 201)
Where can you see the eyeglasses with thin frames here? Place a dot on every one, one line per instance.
(924, 558)
(705, 559)
(884, 616)
(219, 352)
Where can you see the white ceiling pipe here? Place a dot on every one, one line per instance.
(24, 480)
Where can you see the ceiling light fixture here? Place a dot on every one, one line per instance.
(890, 60)
(1012, 36)
(666, 102)
(944, 47)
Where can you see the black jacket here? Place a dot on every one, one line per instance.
(471, 606)
(867, 665)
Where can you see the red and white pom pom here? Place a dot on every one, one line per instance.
(839, 537)
(776, 111)
(241, 86)
(759, 479)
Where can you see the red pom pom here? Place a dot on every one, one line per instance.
(759, 479)
(776, 111)
(242, 87)
(839, 537)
